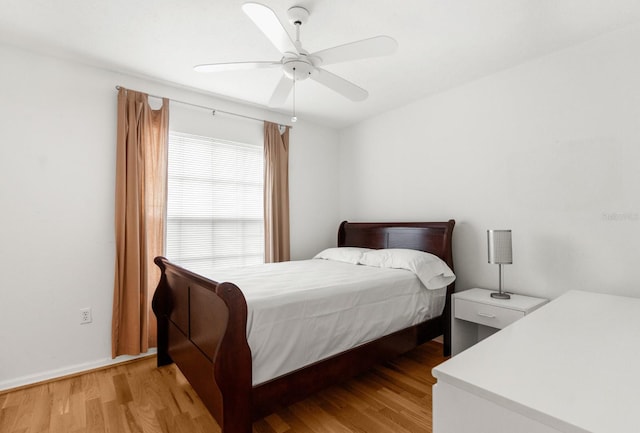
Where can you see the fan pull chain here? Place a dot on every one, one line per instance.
(294, 118)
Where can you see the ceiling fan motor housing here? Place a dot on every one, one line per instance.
(298, 69)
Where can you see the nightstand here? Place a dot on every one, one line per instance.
(476, 315)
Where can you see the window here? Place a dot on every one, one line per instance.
(214, 203)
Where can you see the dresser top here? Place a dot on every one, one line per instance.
(573, 364)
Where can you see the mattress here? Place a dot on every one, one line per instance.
(304, 311)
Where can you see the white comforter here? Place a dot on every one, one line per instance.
(303, 311)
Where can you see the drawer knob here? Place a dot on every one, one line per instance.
(488, 316)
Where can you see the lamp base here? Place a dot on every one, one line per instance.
(500, 295)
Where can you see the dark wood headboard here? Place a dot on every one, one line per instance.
(432, 237)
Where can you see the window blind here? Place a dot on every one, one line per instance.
(214, 203)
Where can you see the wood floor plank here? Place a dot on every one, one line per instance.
(90, 386)
(26, 403)
(319, 420)
(121, 385)
(401, 421)
(262, 426)
(41, 414)
(206, 423)
(276, 423)
(407, 405)
(356, 420)
(105, 385)
(94, 415)
(342, 398)
(296, 424)
(8, 417)
(404, 379)
(138, 397)
(113, 418)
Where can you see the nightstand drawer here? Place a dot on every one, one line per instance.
(489, 315)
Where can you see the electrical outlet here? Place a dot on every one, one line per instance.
(85, 315)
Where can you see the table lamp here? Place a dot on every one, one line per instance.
(499, 244)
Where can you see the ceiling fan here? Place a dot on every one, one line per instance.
(298, 64)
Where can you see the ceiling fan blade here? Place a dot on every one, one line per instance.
(268, 22)
(234, 66)
(340, 85)
(372, 47)
(281, 93)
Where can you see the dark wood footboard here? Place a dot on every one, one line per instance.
(202, 328)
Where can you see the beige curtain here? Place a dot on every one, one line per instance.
(141, 171)
(276, 193)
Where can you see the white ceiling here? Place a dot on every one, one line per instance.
(442, 43)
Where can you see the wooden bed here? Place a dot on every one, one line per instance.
(202, 328)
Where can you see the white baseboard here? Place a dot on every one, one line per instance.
(67, 371)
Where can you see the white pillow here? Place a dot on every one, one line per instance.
(342, 254)
(431, 270)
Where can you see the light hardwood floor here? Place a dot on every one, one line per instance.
(139, 398)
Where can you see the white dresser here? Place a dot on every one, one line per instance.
(572, 366)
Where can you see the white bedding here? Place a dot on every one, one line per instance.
(303, 311)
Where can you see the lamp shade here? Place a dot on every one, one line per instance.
(499, 244)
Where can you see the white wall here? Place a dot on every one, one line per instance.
(57, 178)
(549, 149)
(313, 189)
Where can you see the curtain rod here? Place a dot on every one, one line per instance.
(213, 110)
